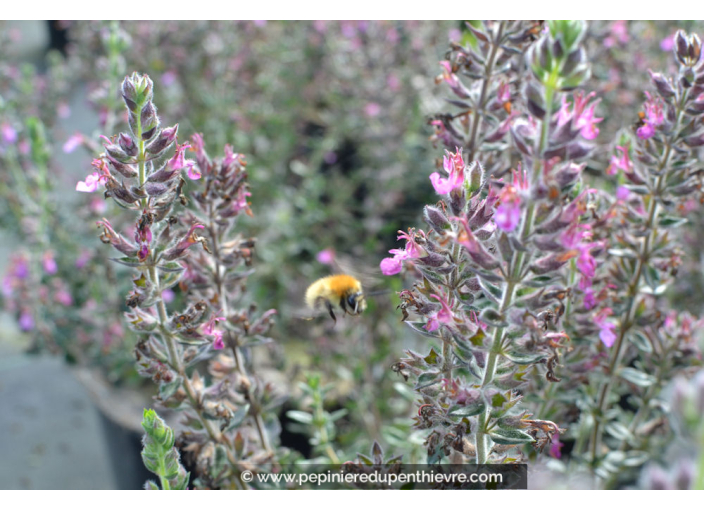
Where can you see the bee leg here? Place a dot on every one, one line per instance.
(332, 314)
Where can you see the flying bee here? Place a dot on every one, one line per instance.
(340, 291)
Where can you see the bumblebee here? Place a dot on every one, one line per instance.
(340, 291)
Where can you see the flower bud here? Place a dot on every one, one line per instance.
(165, 138)
(662, 84)
(137, 91)
(127, 144)
(436, 218)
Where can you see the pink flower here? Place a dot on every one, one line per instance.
(9, 135)
(179, 162)
(442, 316)
(390, 266)
(654, 116)
(556, 446)
(91, 183)
(453, 164)
(393, 83)
(589, 299)
(503, 93)
(83, 259)
(94, 180)
(668, 43)
(372, 110)
(73, 142)
(619, 33)
(326, 256)
(508, 215)
(63, 110)
(26, 321)
(167, 295)
(622, 162)
(413, 249)
(452, 80)
(49, 263)
(622, 193)
(63, 297)
(168, 78)
(607, 332)
(582, 117)
(209, 329)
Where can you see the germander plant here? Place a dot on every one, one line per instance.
(227, 414)
(542, 287)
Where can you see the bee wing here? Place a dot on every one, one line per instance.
(368, 275)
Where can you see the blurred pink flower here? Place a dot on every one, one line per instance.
(326, 256)
(73, 143)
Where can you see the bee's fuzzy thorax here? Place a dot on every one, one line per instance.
(332, 288)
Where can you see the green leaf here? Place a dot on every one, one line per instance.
(672, 221)
(618, 431)
(238, 417)
(472, 409)
(637, 377)
(638, 338)
(493, 318)
(510, 436)
(477, 339)
(168, 389)
(432, 357)
(300, 416)
(171, 267)
(427, 379)
(525, 358)
(416, 326)
(128, 261)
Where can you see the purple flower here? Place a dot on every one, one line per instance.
(26, 321)
(83, 259)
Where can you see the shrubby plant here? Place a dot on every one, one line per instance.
(543, 317)
(544, 295)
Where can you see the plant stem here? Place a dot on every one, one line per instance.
(255, 411)
(515, 272)
(479, 108)
(628, 316)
